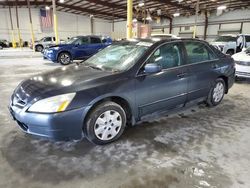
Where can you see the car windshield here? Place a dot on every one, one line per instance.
(225, 39)
(117, 57)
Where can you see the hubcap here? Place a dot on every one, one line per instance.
(218, 92)
(65, 59)
(108, 125)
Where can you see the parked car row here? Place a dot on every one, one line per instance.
(231, 44)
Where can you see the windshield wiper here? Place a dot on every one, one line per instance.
(94, 67)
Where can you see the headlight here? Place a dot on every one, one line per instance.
(53, 104)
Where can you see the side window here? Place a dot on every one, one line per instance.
(198, 52)
(47, 39)
(82, 41)
(247, 38)
(94, 40)
(167, 56)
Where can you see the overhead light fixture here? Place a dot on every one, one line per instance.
(223, 7)
(47, 7)
(61, 1)
(134, 20)
(176, 14)
(141, 4)
(91, 15)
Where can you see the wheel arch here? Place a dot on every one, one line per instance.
(226, 82)
(117, 99)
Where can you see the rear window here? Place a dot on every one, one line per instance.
(95, 40)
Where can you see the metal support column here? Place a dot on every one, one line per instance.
(196, 18)
(206, 25)
(55, 21)
(170, 25)
(18, 29)
(31, 26)
(129, 18)
(12, 30)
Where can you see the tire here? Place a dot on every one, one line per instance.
(217, 92)
(64, 58)
(230, 52)
(112, 122)
(39, 48)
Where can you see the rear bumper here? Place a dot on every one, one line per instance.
(57, 126)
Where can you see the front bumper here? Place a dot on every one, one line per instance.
(57, 126)
(242, 71)
(49, 55)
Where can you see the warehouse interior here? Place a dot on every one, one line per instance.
(196, 147)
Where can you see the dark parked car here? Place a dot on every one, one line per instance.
(4, 43)
(81, 47)
(119, 86)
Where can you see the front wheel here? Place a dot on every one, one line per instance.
(216, 93)
(64, 58)
(105, 124)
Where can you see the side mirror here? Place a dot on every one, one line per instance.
(152, 68)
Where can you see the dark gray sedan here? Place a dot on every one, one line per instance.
(119, 86)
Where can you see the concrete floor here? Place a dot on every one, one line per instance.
(201, 147)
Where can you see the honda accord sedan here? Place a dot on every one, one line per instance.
(119, 86)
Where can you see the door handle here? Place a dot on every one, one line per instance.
(181, 75)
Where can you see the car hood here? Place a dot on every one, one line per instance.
(242, 56)
(62, 80)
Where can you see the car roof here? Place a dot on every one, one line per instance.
(155, 40)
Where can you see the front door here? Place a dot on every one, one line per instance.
(164, 90)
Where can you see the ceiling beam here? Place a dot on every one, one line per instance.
(177, 5)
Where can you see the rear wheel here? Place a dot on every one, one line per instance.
(230, 52)
(105, 124)
(39, 48)
(64, 58)
(217, 92)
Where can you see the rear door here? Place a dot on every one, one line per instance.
(203, 67)
(80, 48)
(95, 44)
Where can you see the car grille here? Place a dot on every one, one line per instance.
(17, 101)
(242, 63)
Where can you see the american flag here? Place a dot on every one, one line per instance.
(46, 21)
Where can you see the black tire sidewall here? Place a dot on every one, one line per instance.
(39, 46)
(59, 58)
(211, 101)
(91, 119)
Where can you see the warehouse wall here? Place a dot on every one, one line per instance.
(68, 25)
(231, 21)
